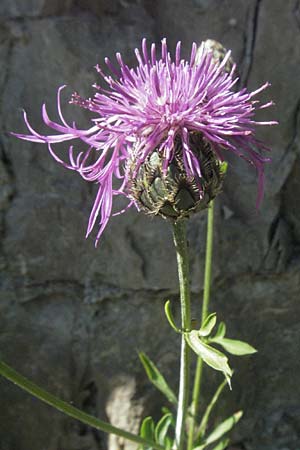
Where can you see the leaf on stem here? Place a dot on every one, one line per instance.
(157, 378)
(223, 428)
(166, 410)
(169, 316)
(147, 431)
(161, 431)
(214, 358)
(208, 325)
(234, 346)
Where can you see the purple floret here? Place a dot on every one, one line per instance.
(145, 108)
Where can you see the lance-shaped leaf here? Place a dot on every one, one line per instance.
(234, 347)
(161, 430)
(157, 378)
(169, 315)
(147, 431)
(220, 430)
(166, 410)
(214, 358)
(208, 325)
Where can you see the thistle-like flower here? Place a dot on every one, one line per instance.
(162, 129)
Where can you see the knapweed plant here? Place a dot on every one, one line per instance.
(159, 135)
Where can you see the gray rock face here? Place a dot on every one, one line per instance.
(72, 318)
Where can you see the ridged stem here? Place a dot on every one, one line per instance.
(70, 410)
(180, 241)
(205, 306)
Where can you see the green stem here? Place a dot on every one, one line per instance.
(208, 260)
(70, 410)
(180, 241)
(205, 305)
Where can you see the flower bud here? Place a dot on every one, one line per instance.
(218, 53)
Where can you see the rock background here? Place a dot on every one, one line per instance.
(71, 317)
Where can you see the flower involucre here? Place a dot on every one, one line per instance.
(157, 113)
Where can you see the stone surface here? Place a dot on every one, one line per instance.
(33, 8)
(73, 318)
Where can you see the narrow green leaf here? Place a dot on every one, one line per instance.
(222, 444)
(221, 331)
(166, 410)
(214, 358)
(162, 428)
(234, 346)
(147, 431)
(208, 325)
(203, 425)
(157, 378)
(223, 428)
(169, 315)
(147, 428)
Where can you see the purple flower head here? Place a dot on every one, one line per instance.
(145, 109)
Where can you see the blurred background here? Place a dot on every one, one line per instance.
(72, 317)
